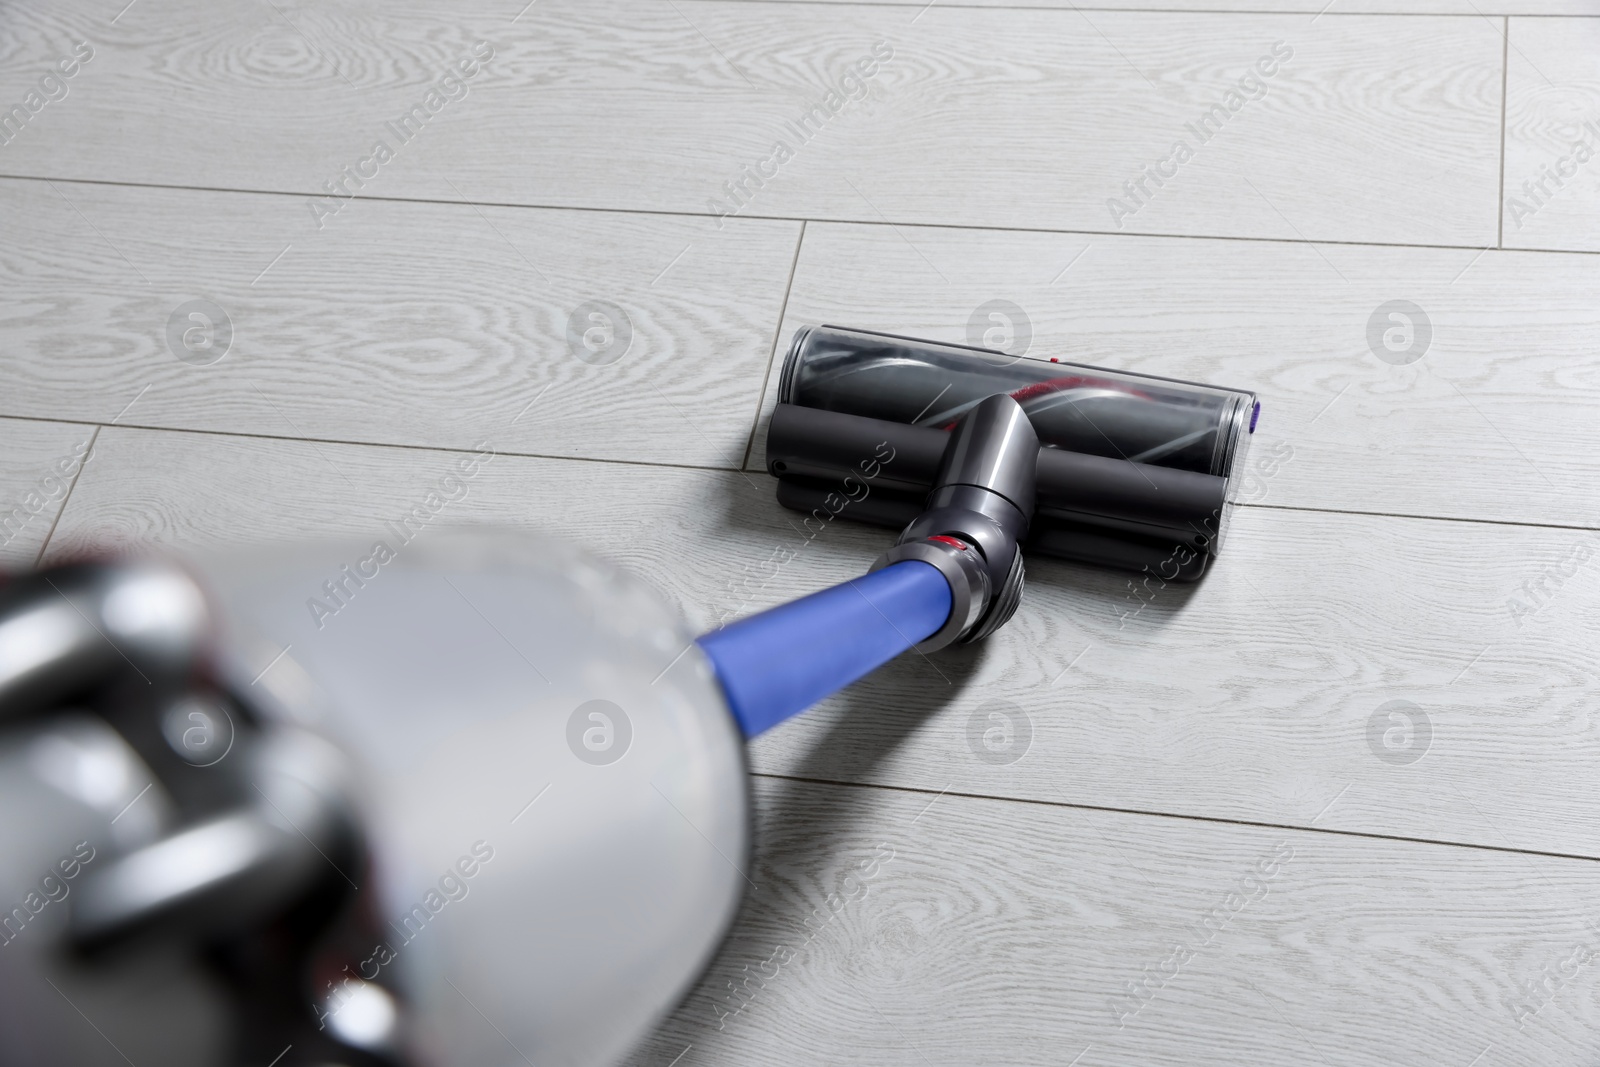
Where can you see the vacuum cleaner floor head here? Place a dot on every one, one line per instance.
(1133, 471)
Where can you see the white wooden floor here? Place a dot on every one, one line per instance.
(1201, 849)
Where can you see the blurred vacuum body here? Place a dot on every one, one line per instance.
(495, 807)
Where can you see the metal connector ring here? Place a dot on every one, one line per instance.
(969, 584)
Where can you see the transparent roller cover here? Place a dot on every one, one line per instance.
(1160, 421)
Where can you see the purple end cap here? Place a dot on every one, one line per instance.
(1255, 413)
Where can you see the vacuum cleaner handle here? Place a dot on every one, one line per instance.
(780, 662)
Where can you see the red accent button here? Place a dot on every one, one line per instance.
(961, 545)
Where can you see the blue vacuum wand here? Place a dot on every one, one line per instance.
(955, 574)
(780, 662)
(1078, 462)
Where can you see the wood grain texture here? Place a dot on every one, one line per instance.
(1464, 8)
(1258, 696)
(39, 461)
(418, 324)
(1376, 129)
(1552, 180)
(977, 931)
(1268, 689)
(1495, 420)
(1034, 823)
(210, 491)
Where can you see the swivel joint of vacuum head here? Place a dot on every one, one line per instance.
(981, 504)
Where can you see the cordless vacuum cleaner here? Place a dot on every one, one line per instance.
(495, 808)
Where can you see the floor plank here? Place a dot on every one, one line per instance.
(688, 531)
(1552, 185)
(1400, 663)
(39, 462)
(1493, 418)
(1369, 128)
(885, 930)
(1472, 8)
(1258, 696)
(416, 324)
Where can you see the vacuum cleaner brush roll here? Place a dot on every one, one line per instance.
(1133, 471)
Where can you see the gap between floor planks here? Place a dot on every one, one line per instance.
(350, 442)
(1178, 816)
(804, 219)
